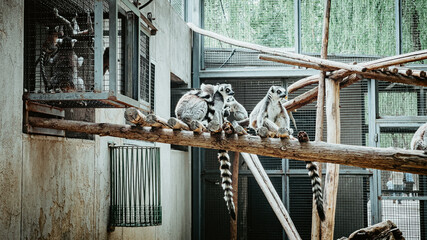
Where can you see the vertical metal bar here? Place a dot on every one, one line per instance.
(285, 189)
(202, 38)
(297, 17)
(136, 51)
(398, 25)
(129, 56)
(99, 49)
(373, 136)
(113, 44)
(112, 192)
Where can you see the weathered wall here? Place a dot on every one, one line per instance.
(11, 86)
(64, 183)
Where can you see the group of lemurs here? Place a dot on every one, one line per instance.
(213, 104)
(58, 51)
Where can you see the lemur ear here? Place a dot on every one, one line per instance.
(272, 90)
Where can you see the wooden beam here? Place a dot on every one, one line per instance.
(391, 159)
(332, 170)
(274, 51)
(379, 63)
(316, 229)
(270, 193)
(235, 191)
(298, 63)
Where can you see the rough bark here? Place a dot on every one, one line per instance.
(365, 157)
(381, 231)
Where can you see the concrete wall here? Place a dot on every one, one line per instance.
(58, 188)
(11, 85)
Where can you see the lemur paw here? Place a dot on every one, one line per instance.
(251, 131)
(214, 126)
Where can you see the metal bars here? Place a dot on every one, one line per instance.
(135, 186)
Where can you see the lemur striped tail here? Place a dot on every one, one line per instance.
(316, 188)
(224, 161)
(42, 70)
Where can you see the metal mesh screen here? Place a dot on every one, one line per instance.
(414, 22)
(401, 100)
(403, 195)
(356, 27)
(144, 67)
(47, 62)
(135, 186)
(179, 7)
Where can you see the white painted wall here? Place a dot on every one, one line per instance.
(58, 188)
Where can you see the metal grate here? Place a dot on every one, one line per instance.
(401, 100)
(41, 29)
(179, 7)
(144, 67)
(152, 85)
(135, 186)
(414, 22)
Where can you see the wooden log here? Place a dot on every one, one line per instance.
(135, 116)
(316, 229)
(419, 73)
(333, 122)
(156, 121)
(274, 51)
(386, 230)
(270, 193)
(235, 191)
(294, 62)
(391, 159)
(379, 63)
(303, 82)
(310, 96)
(405, 72)
(177, 124)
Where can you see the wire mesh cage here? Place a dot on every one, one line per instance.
(135, 199)
(75, 53)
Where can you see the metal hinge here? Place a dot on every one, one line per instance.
(376, 137)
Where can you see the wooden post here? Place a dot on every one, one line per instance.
(235, 191)
(332, 170)
(270, 193)
(327, 63)
(316, 230)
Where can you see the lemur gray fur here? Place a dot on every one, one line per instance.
(239, 112)
(49, 49)
(269, 112)
(207, 104)
(419, 140)
(65, 64)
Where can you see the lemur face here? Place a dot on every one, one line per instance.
(225, 90)
(278, 92)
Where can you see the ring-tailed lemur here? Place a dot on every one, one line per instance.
(419, 140)
(65, 67)
(270, 112)
(207, 105)
(49, 49)
(239, 112)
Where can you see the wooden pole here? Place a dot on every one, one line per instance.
(298, 63)
(332, 170)
(235, 191)
(273, 51)
(379, 63)
(316, 230)
(391, 159)
(270, 193)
